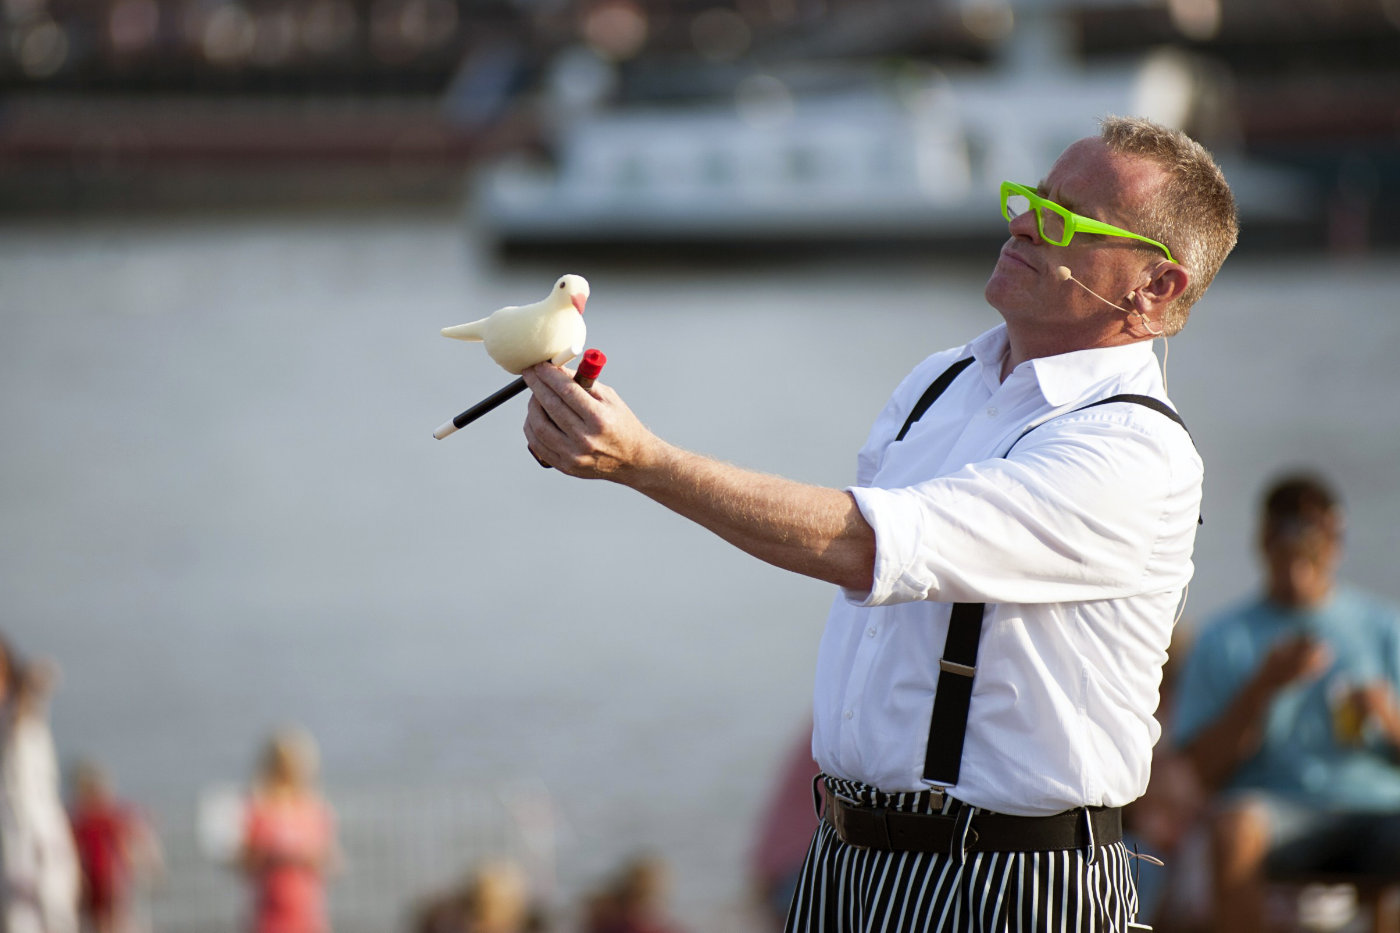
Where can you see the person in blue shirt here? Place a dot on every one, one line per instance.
(1287, 710)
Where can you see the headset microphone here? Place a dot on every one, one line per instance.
(1064, 274)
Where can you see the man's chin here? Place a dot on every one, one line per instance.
(995, 289)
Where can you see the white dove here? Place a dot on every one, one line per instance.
(519, 336)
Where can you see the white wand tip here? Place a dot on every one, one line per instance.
(447, 428)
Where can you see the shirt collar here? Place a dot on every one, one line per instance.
(1067, 376)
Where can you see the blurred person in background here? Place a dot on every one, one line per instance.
(785, 831)
(289, 839)
(39, 876)
(494, 898)
(1288, 712)
(116, 848)
(1165, 823)
(1011, 559)
(636, 900)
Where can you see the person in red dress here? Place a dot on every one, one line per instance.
(289, 842)
(115, 846)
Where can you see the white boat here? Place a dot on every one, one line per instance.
(865, 157)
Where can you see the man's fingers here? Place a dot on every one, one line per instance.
(566, 425)
(543, 453)
(541, 430)
(554, 391)
(550, 445)
(559, 379)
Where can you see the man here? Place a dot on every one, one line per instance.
(1077, 538)
(1288, 707)
(39, 875)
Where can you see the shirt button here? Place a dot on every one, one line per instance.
(871, 631)
(992, 412)
(849, 714)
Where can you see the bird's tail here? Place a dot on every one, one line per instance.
(472, 331)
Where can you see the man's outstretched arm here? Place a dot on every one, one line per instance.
(811, 530)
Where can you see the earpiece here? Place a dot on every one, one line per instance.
(1065, 274)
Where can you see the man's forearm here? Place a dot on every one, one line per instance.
(1219, 749)
(811, 530)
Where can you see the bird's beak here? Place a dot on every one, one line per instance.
(580, 301)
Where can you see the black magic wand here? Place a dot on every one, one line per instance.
(588, 370)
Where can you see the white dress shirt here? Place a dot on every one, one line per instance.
(1079, 541)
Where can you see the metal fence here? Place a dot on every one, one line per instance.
(401, 845)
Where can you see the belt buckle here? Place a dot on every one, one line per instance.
(874, 822)
(879, 818)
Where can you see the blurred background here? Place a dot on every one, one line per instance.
(230, 231)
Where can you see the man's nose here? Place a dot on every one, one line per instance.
(1024, 224)
(1302, 572)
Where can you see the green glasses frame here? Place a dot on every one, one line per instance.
(1074, 223)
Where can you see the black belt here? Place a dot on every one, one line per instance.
(872, 828)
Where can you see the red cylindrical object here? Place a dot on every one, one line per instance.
(592, 365)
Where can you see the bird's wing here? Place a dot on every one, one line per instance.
(576, 341)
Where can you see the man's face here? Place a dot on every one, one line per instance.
(1301, 566)
(1091, 180)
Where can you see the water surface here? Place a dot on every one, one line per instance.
(223, 508)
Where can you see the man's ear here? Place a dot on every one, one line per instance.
(1167, 283)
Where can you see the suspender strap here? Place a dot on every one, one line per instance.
(948, 727)
(959, 663)
(1146, 401)
(952, 699)
(934, 390)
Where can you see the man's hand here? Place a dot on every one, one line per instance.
(1293, 660)
(590, 433)
(1218, 749)
(1376, 702)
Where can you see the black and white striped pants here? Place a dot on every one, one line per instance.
(845, 889)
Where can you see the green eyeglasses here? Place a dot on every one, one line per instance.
(1058, 225)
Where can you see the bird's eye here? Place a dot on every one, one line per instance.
(561, 284)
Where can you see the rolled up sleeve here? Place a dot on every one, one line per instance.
(1087, 507)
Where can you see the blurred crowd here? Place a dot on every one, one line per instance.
(62, 868)
(81, 865)
(1274, 802)
(496, 898)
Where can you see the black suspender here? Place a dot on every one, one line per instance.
(1146, 401)
(931, 394)
(952, 698)
(947, 727)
